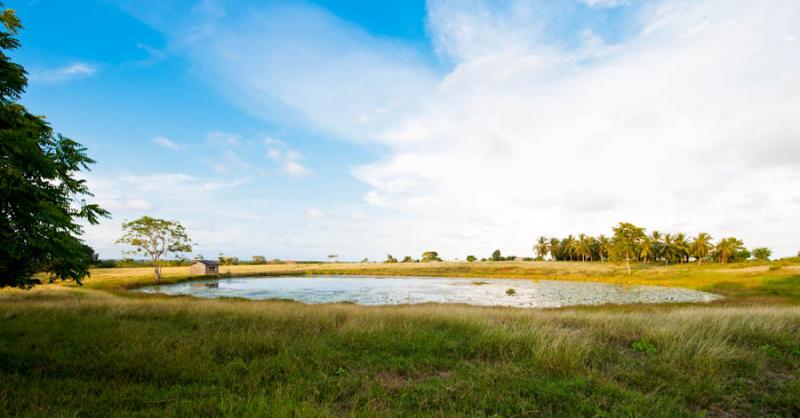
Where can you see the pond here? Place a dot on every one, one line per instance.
(413, 290)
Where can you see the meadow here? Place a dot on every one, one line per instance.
(103, 350)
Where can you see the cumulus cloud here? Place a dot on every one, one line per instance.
(676, 127)
(66, 73)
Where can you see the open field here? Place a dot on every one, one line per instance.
(102, 350)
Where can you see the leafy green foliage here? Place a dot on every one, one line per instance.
(42, 201)
(644, 347)
(762, 253)
(496, 256)
(626, 238)
(630, 244)
(390, 259)
(471, 258)
(429, 256)
(155, 238)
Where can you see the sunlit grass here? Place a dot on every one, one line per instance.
(67, 350)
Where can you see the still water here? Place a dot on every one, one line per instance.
(411, 290)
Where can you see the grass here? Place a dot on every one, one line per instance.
(101, 350)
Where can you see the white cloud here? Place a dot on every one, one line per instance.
(287, 158)
(605, 3)
(224, 139)
(167, 143)
(315, 214)
(66, 73)
(300, 64)
(679, 126)
(668, 129)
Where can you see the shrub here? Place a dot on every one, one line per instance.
(644, 347)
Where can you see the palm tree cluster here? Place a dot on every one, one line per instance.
(637, 245)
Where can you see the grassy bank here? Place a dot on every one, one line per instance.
(90, 351)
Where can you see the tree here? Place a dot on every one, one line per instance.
(762, 253)
(727, 250)
(155, 238)
(554, 248)
(333, 258)
(583, 247)
(429, 256)
(603, 245)
(701, 247)
(259, 259)
(228, 261)
(496, 255)
(568, 246)
(471, 258)
(408, 259)
(646, 250)
(42, 203)
(542, 247)
(656, 245)
(681, 247)
(626, 239)
(390, 259)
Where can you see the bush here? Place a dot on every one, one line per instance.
(471, 258)
(644, 347)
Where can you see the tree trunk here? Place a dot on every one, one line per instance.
(628, 264)
(157, 270)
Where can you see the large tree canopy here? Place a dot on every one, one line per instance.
(41, 200)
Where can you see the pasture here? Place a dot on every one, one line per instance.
(104, 350)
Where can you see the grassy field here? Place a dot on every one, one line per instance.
(103, 350)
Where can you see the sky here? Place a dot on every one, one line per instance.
(298, 130)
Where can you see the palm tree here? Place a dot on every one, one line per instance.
(542, 247)
(656, 245)
(647, 249)
(669, 249)
(569, 246)
(554, 247)
(582, 248)
(603, 244)
(681, 247)
(726, 249)
(701, 246)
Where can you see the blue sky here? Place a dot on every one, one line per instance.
(302, 129)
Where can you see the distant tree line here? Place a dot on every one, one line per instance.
(630, 243)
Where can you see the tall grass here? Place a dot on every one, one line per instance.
(66, 351)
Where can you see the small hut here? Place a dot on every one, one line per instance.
(203, 267)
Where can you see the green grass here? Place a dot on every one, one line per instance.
(81, 351)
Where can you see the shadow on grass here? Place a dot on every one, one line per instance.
(777, 290)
